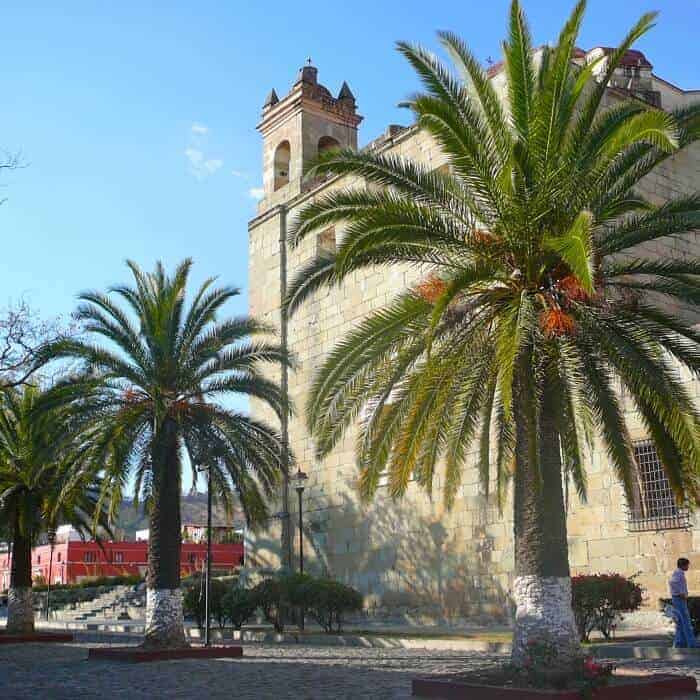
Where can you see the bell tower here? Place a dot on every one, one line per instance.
(308, 120)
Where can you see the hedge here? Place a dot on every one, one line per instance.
(99, 582)
(279, 599)
(325, 600)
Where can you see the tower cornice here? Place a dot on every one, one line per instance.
(309, 98)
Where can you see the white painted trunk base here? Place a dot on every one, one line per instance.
(20, 610)
(164, 618)
(543, 613)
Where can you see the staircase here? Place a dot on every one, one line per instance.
(119, 603)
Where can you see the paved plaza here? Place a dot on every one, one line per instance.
(61, 672)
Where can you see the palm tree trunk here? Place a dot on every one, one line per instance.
(20, 605)
(542, 581)
(164, 615)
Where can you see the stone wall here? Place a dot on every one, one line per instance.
(412, 558)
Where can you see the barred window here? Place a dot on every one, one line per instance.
(653, 506)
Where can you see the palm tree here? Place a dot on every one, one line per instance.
(536, 297)
(45, 479)
(162, 372)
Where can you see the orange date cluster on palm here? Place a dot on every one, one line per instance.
(431, 288)
(555, 322)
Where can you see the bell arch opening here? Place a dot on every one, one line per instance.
(283, 154)
(327, 143)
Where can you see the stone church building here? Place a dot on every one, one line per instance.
(411, 558)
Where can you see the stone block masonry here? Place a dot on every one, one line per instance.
(412, 558)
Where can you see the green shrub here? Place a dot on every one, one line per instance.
(194, 602)
(272, 597)
(99, 582)
(218, 592)
(238, 606)
(124, 580)
(599, 600)
(693, 610)
(327, 601)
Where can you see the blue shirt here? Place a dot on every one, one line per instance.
(677, 584)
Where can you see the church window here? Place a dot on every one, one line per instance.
(326, 243)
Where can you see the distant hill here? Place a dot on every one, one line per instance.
(193, 510)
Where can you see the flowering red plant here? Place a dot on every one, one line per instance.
(591, 667)
(599, 600)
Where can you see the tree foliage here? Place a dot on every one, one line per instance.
(536, 282)
(154, 365)
(47, 472)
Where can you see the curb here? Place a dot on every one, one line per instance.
(628, 651)
(320, 639)
(138, 655)
(660, 686)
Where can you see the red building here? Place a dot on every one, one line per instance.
(76, 560)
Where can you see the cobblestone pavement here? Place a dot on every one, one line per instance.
(61, 672)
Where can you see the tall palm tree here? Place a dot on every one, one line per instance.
(45, 479)
(162, 372)
(537, 297)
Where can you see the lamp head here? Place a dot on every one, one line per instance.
(299, 480)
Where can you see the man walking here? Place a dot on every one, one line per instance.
(685, 637)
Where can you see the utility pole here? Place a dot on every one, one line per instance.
(51, 535)
(286, 542)
(300, 482)
(207, 603)
(207, 569)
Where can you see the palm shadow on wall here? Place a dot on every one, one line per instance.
(410, 567)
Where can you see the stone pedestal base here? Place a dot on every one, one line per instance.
(543, 613)
(164, 618)
(20, 611)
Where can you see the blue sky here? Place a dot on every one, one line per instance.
(136, 121)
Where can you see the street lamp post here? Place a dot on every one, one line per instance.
(207, 589)
(51, 536)
(300, 483)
